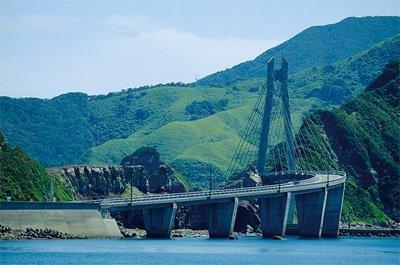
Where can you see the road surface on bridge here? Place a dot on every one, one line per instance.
(316, 180)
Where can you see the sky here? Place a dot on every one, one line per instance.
(48, 48)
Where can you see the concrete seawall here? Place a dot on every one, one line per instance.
(72, 218)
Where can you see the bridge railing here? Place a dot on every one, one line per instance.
(306, 172)
(218, 192)
(206, 192)
(284, 187)
(229, 192)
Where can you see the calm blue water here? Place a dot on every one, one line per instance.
(202, 251)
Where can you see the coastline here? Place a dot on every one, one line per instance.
(6, 233)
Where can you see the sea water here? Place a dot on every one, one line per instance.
(204, 251)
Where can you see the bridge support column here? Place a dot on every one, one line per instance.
(274, 214)
(105, 214)
(333, 211)
(221, 218)
(159, 221)
(310, 212)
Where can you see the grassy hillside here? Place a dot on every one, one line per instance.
(22, 178)
(195, 146)
(315, 46)
(60, 130)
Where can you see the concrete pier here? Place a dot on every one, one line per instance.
(333, 211)
(274, 214)
(158, 221)
(310, 212)
(221, 218)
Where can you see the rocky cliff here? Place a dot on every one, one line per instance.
(161, 177)
(92, 181)
(248, 178)
(86, 181)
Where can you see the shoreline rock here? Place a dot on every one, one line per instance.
(188, 233)
(388, 232)
(7, 233)
(132, 233)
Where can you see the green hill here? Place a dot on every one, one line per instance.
(347, 78)
(194, 128)
(315, 46)
(22, 178)
(193, 146)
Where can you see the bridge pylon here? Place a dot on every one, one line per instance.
(281, 76)
(273, 75)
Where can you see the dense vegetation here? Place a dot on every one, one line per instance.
(53, 131)
(22, 178)
(365, 135)
(204, 108)
(315, 46)
(321, 153)
(347, 78)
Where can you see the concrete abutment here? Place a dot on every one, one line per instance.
(78, 219)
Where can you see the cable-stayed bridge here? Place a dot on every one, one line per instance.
(300, 178)
(298, 168)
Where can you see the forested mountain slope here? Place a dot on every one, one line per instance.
(315, 46)
(22, 178)
(364, 134)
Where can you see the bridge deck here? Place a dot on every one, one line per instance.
(317, 181)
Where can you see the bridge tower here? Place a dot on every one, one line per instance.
(281, 76)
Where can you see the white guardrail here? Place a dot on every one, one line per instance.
(318, 179)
